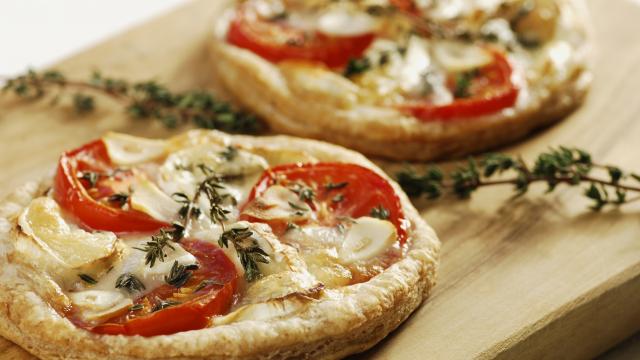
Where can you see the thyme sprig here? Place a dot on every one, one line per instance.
(155, 249)
(145, 99)
(248, 250)
(563, 165)
(211, 188)
(180, 274)
(163, 304)
(129, 282)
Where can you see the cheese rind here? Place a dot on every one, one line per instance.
(96, 305)
(73, 247)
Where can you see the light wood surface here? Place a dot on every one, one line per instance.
(535, 278)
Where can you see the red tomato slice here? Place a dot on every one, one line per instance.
(490, 91)
(276, 41)
(82, 201)
(408, 6)
(196, 305)
(358, 189)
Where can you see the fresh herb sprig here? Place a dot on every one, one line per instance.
(145, 99)
(248, 250)
(211, 188)
(563, 165)
(129, 282)
(155, 249)
(180, 274)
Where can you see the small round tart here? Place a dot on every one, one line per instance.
(404, 79)
(210, 246)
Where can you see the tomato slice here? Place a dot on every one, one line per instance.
(276, 41)
(408, 6)
(89, 203)
(208, 292)
(490, 90)
(346, 190)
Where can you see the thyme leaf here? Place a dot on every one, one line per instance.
(229, 153)
(207, 282)
(380, 212)
(335, 186)
(91, 177)
(163, 304)
(249, 252)
(119, 198)
(357, 66)
(129, 282)
(155, 248)
(87, 279)
(179, 274)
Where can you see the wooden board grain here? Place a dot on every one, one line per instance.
(535, 278)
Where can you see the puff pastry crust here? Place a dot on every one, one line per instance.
(342, 321)
(309, 101)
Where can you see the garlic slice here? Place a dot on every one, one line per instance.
(73, 247)
(148, 198)
(128, 150)
(338, 22)
(457, 56)
(367, 238)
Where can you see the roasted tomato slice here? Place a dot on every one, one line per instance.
(408, 6)
(483, 91)
(168, 310)
(339, 191)
(92, 190)
(276, 41)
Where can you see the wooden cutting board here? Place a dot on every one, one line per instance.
(539, 277)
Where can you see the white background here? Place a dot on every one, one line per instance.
(35, 33)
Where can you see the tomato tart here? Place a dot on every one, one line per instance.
(210, 246)
(405, 79)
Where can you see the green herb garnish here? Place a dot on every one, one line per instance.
(380, 212)
(129, 282)
(248, 250)
(563, 165)
(87, 279)
(145, 99)
(180, 274)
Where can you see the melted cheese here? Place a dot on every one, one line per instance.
(96, 305)
(316, 258)
(180, 172)
(278, 203)
(103, 299)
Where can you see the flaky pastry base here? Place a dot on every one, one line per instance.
(343, 321)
